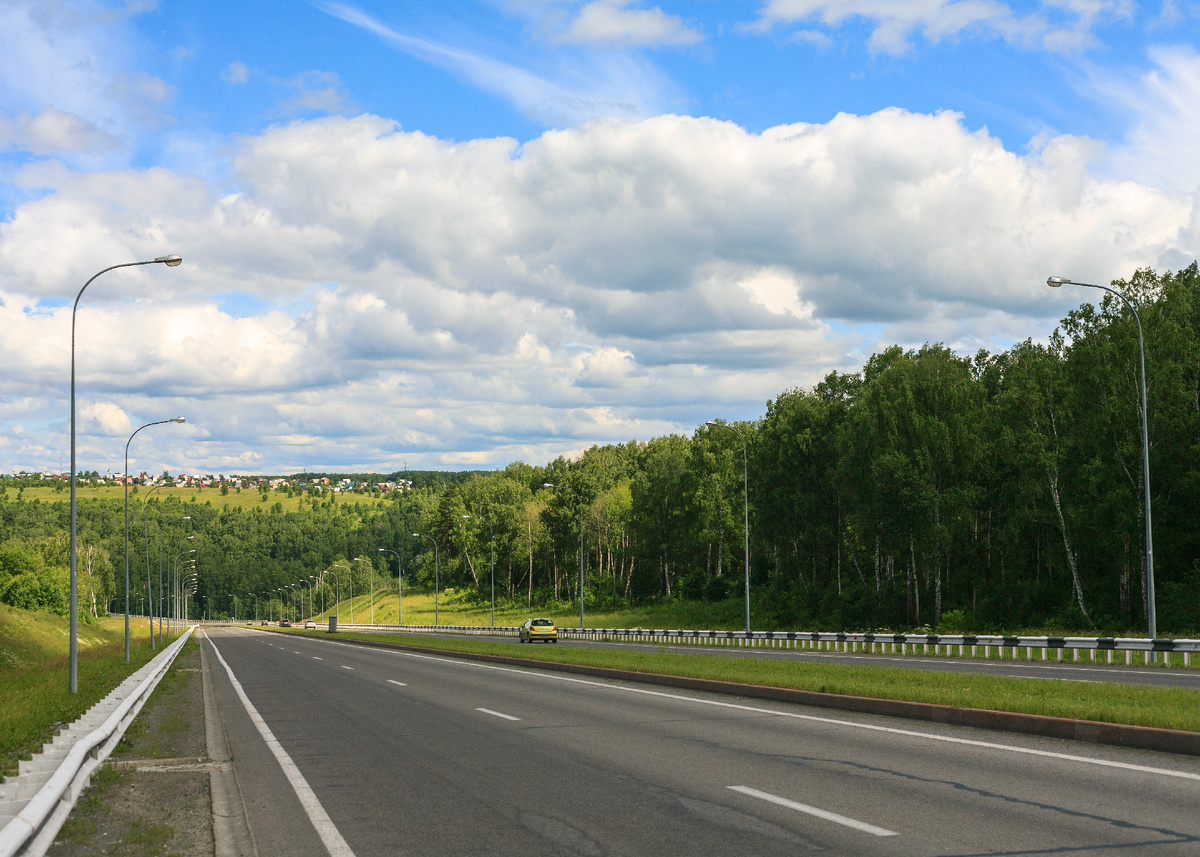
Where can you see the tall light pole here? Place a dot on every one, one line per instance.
(745, 509)
(364, 559)
(493, 537)
(303, 583)
(73, 680)
(350, 577)
(1054, 283)
(399, 584)
(126, 481)
(580, 499)
(435, 574)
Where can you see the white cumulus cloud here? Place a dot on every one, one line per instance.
(368, 296)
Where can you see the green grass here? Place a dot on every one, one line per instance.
(34, 674)
(1165, 708)
(456, 608)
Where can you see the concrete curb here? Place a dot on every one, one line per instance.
(1087, 731)
(232, 836)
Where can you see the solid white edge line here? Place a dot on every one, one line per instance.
(397, 683)
(812, 718)
(497, 714)
(812, 810)
(347, 668)
(330, 836)
(315, 658)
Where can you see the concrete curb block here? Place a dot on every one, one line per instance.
(1087, 731)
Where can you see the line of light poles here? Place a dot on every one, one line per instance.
(126, 481)
(1151, 620)
(73, 646)
(580, 499)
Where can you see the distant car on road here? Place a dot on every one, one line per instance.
(310, 624)
(538, 629)
(284, 623)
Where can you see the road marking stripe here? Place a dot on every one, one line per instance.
(812, 718)
(812, 810)
(330, 836)
(497, 714)
(315, 658)
(347, 668)
(398, 683)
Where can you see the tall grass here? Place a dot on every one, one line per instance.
(34, 673)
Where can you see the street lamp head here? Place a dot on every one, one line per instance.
(548, 485)
(171, 261)
(179, 420)
(711, 423)
(416, 535)
(381, 550)
(1055, 282)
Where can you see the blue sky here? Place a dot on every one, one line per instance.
(463, 234)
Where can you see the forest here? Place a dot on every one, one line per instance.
(962, 493)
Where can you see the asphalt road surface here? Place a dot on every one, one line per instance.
(347, 750)
(1159, 676)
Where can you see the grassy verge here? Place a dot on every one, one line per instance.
(1165, 708)
(455, 608)
(34, 674)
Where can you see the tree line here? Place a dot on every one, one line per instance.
(928, 490)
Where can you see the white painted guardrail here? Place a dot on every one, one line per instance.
(1005, 647)
(35, 803)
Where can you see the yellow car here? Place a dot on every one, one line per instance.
(538, 629)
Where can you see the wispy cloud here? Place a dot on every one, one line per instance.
(613, 87)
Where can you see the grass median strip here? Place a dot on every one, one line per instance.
(1135, 705)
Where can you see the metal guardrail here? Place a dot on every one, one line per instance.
(900, 644)
(32, 830)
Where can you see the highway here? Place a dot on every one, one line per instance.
(1067, 670)
(341, 750)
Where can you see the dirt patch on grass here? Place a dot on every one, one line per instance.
(152, 796)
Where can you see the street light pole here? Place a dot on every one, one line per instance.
(73, 678)
(1151, 619)
(350, 578)
(126, 481)
(580, 499)
(399, 584)
(492, 535)
(435, 574)
(745, 509)
(364, 559)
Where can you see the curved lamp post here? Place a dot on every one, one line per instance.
(1151, 621)
(435, 574)
(580, 499)
(350, 577)
(399, 596)
(73, 680)
(363, 559)
(745, 508)
(493, 537)
(126, 480)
